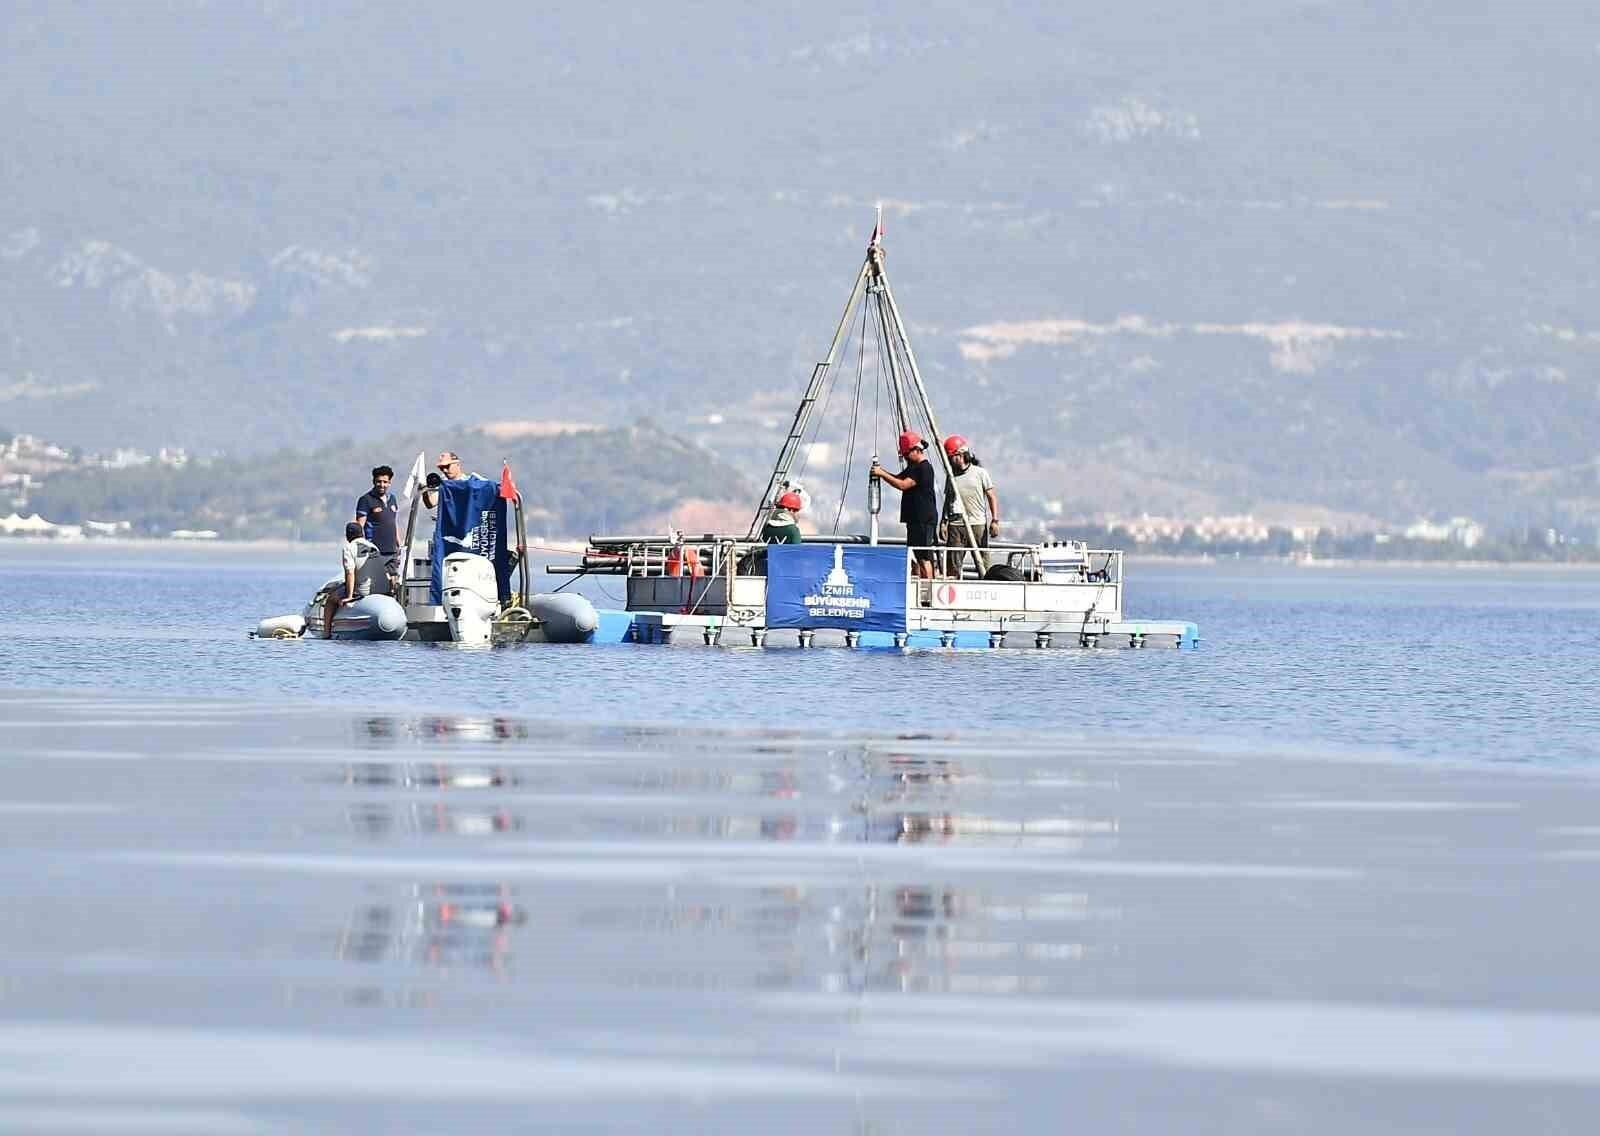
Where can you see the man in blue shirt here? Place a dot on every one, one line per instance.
(377, 514)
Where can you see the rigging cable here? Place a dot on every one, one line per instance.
(877, 397)
(886, 361)
(886, 365)
(855, 417)
(898, 364)
(923, 422)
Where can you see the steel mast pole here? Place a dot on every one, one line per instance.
(802, 415)
(922, 396)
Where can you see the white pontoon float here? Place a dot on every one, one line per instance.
(860, 590)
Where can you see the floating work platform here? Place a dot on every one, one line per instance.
(665, 628)
(720, 591)
(865, 590)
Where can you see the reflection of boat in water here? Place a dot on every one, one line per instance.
(386, 729)
(463, 578)
(427, 775)
(441, 925)
(862, 589)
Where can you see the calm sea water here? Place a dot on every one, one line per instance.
(1479, 663)
(1328, 873)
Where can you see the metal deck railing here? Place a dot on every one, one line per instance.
(727, 557)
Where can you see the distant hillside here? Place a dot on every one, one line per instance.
(573, 484)
(1303, 257)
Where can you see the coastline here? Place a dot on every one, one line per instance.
(112, 544)
(1358, 562)
(560, 546)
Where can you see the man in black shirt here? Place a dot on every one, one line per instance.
(919, 507)
(376, 513)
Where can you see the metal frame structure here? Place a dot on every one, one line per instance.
(713, 581)
(871, 280)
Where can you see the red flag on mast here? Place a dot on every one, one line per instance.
(508, 488)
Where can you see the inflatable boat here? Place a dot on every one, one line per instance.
(465, 580)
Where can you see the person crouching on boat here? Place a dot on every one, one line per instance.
(919, 507)
(365, 574)
(969, 503)
(783, 526)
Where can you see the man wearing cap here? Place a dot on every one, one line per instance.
(919, 505)
(449, 466)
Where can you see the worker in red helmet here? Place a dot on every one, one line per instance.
(783, 526)
(919, 505)
(971, 508)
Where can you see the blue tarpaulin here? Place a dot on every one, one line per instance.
(472, 518)
(853, 587)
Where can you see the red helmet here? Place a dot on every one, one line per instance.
(954, 444)
(910, 440)
(791, 501)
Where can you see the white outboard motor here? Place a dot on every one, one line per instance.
(1064, 562)
(471, 597)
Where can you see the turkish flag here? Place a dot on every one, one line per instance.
(508, 488)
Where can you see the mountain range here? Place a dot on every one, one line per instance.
(1325, 259)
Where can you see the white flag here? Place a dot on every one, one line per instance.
(414, 478)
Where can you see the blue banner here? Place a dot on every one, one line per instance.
(853, 587)
(472, 518)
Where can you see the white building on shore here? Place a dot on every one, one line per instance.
(1464, 531)
(36, 526)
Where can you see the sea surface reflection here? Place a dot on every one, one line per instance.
(321, 921)
(857, 929)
